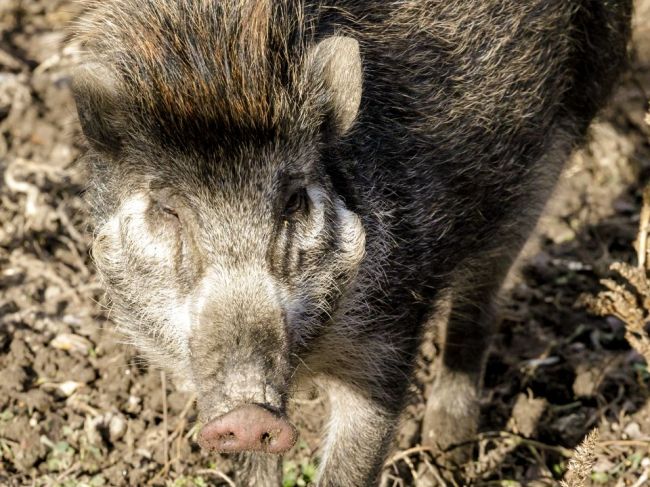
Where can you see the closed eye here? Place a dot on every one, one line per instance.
(165, 202)
(168, 210)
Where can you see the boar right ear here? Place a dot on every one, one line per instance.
(95, 92)
(336, 62)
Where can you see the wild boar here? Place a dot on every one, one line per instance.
(286, 190)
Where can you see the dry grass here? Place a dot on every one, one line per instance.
(628, 299)
(581, 464)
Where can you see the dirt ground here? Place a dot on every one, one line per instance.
(78, 408)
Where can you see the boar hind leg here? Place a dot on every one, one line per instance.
(451, 415)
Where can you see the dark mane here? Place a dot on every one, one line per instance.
(203, 68)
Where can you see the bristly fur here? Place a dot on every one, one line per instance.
(218, 69)
(292, 188)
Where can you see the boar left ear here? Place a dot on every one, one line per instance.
(336, 62)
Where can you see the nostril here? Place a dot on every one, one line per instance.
(266, 438)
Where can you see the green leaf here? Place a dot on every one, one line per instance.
(97, 481)
(600, 477)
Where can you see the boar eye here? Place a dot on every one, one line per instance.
(296, 203)
(168, 210)
(165, 203)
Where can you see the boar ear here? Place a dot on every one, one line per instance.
(95, 92)
(336, 63)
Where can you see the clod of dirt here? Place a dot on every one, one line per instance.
(26, 448)
(586, 382)
(36, 400)
(14, 378)
(526, 415)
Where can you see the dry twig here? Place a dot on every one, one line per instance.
(217, 473)
(162, 473)
(163, 385)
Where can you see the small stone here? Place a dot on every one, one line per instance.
(92, 428)
(71, 343)
(105, 427)
(633, 431)
(14, 378)
(143, 452)
(68, 388)
(133, 404)
(51, 293)
(116, 427)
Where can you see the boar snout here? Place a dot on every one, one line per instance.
(248, 428)
(240, 355)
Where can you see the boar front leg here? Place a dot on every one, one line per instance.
(258, 470)
(358, 436)
(452, 411)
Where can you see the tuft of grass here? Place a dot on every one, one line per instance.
(60, 457)
(632, 307)
(301, 474)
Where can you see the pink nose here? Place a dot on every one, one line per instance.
(248, 428)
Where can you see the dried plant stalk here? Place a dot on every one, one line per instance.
(629, 301)
(579, 469)
(644, 224)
